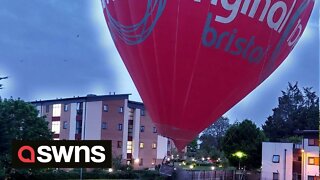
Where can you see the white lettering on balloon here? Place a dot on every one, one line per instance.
(250, 8)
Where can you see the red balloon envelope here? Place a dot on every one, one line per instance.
(192, 60)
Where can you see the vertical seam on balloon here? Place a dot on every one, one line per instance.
(193, 70)
(259, 80)
(158, 78)
(141, 60)
(175, 59)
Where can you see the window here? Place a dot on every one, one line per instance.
(311, 161)
(141, 162)
(142, 113)
(129, 147)
(312, 177)
(119, 144)
(154, 130)
(154, 145)
(141, 145)
(78, 127)
(105, 108)
(276, 159)
(313, 142)
(275, 176)
(121, 110)
(120, 127)
(65, 124)
(65, 108)
(79, 106)
(56, 110)
(47, 108)
(141, 128)
(55, 127)
(104, 125)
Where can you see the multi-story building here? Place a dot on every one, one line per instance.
(109, 117)
(281, 161)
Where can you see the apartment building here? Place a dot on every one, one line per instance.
(281, 161)
(108, 117)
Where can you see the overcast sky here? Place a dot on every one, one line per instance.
(62, 48)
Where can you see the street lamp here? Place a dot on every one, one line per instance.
(239, 155)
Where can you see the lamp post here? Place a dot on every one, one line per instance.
(239, 155)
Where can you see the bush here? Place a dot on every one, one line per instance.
(95, 174)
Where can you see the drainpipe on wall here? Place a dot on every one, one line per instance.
(285, 163)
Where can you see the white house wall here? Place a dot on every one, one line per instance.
(93, 120)
(284, 167)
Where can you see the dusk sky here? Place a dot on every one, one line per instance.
(62, 48)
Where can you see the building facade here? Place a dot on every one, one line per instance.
(109, 117)
(282, 161)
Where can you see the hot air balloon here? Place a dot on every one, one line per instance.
(193, 60)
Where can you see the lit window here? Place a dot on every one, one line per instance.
(154, 161)
(55, 127)
(311, 161)
(141, 145)
(129, 147)
(56, 110)
(276, 159)
(65, 124)
(154, 145)
(313, 142)
(56, 139)
(119, 144)
(105, 108)
(121, 110)
(275, 176)
(154, 130)
(142, 113)
(120, 127)
(141, 128)
(104, 125)
(65, 107)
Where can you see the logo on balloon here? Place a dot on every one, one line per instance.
(136, 33)
(247, 48)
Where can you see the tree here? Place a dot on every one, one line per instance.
(212, 136)
(1, 78)
(192, 148)
(247, 138)
(297, 110)
(19, 120)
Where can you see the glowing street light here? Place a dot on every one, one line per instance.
(137, 161)
(239, 155)
(212, 168)
(110, 170)
(191, 166)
